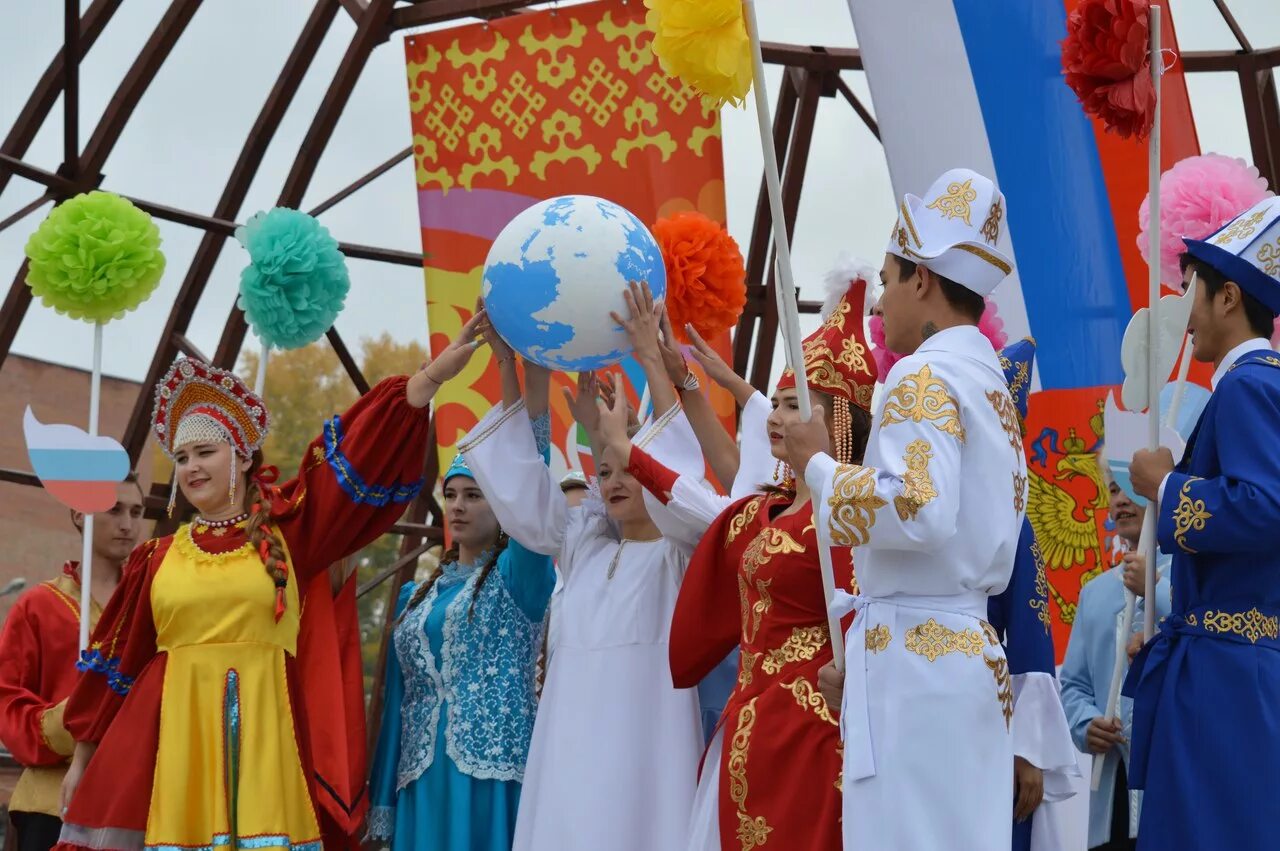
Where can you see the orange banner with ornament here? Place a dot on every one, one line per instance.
(528, 107)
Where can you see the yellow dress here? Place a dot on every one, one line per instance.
(228, 772)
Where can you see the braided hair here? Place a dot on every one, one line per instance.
(450, 557)
(262, 534)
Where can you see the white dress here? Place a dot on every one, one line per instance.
(614, 757)
(935, 512)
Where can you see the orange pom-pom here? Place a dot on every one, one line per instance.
(706, 277)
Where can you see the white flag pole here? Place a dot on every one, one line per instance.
(788, 313)
(1154, 382)
(86, 553)
(260, 380)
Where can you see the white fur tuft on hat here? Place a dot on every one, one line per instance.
(954, 229)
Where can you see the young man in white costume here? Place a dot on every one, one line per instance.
(936, 509)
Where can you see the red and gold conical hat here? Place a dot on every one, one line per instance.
(837, 357)
(223, 403)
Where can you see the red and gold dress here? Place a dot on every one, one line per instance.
(38, 649)
(217, 724)
(754, 582)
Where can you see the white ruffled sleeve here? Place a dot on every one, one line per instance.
(1041, 735)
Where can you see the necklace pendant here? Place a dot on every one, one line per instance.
(613, 563)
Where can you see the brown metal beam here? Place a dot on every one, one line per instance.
(46, 92)
(1262, 117)
(1201, 61)
(348, 362)
(370, 31)
(858, 107)
(399, 564)
(188, 348)
(362, 182)
(228, 206)
(1235, 27)
(71, 86)
(21, 214)
(422, 14)
(813, 58)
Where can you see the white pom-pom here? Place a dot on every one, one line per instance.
(848, 269)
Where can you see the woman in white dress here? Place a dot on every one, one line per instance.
(614, 757)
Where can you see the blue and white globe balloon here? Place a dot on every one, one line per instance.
(558, 269)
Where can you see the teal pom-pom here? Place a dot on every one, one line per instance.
(296, 281)
(95, 257)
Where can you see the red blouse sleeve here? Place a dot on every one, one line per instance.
(706, 624)
(123, 643)
(21, 705)
(356, 479)
(656, 479)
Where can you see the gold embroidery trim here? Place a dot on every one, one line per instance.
(991, 227)
(932, 640)
(878, 638)
(954, 203)
(1240, 228)
(1189, 516)
(764, 546)
(1041, 601)
(853, 503)
(468, 445)
(810, 698)
(1019, 493)
(743, 519)
(920, 397)
(985, 255)
(746, 665)
(906, 217)
(1007, 413)
(803, 645)
(752, 832)
(1004, 687)
(918, 490)
(1252, 624)
(1269, 256)
(189, 549)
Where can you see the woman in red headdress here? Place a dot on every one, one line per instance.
(772, 772)
(205, 716)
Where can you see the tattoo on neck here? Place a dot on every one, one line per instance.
(928, 330)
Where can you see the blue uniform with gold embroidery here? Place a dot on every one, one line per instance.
(1206, 723)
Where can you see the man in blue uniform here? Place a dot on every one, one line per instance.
(1206, 728)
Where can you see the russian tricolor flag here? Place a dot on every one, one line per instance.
(80, 470)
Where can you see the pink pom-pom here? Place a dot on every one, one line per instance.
(991, 326)
(1197, 196)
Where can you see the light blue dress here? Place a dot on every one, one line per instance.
(460, 702)
(1086, 681)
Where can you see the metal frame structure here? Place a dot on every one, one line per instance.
(811, 73)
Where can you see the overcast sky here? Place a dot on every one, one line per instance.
(188, 129)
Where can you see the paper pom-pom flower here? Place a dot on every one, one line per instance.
(706, 278)
(991, 326)
(1197, 196)
(296, 281)
(1106, 59)
(705, 44)
(95, 257)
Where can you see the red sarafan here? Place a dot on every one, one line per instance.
(1106, 60)
(706, 277)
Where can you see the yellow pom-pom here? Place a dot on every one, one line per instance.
(705, 44)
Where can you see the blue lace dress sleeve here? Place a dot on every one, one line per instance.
(382, 780)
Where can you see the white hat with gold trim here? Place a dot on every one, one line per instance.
(954, 229)
(1247, 250)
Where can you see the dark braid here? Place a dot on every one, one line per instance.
(259, 529)
(450, 556)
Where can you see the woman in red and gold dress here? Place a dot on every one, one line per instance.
(214, 711)
(771, 774)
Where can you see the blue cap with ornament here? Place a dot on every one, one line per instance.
(458, 468)
(1016, 359)
(1247, 250)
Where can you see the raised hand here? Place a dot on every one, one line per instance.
(613, 424)
(716, 368)
(642, 326)
(583, 404)
(485, 332)
(607, 393)
(669, 348)
(423, 385)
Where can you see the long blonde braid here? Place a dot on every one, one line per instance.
(263, 536)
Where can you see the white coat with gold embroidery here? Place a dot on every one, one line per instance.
(936, 510)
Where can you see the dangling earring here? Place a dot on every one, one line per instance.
(777, 471)
(231, 489)
(173, 494)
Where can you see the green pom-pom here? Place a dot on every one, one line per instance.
(296, 281)
(96, 257)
